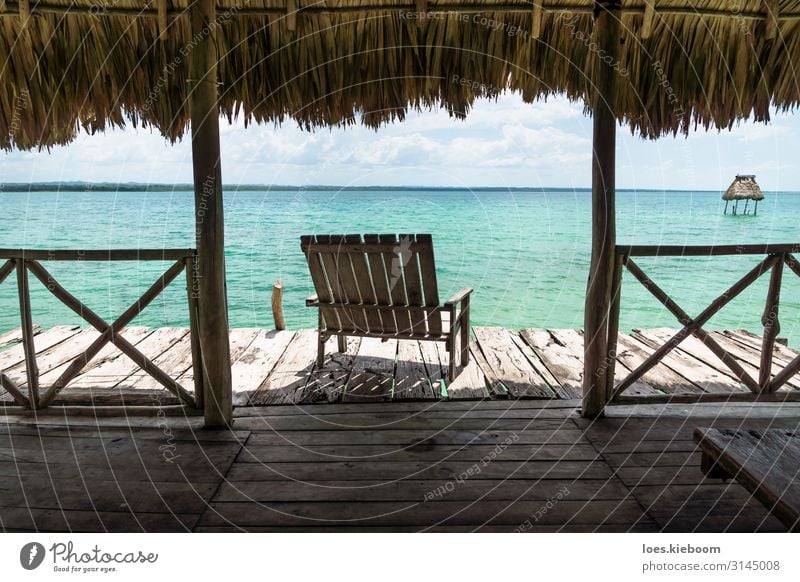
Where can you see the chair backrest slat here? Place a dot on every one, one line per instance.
(394, 275)
(427, 266)
(380, 282)
(410, 265)
(328, 316)
(378, 270)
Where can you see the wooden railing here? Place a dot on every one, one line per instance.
(31, 261)
(762, 387)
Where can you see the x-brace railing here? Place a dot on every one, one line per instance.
(777, 257)
(25, 261)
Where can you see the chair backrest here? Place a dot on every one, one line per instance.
(379, 270)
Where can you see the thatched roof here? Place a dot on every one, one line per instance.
(705, 62)
(743, 188)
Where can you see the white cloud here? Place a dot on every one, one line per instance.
(503, 142)
(758, 131)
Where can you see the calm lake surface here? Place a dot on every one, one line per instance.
(526, 254)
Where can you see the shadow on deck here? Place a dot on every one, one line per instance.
(527, 465)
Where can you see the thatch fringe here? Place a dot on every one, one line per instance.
(62, 74)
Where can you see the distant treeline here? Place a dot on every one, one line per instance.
(137, 187)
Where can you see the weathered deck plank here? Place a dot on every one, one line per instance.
(684, 362)
(278, 367)
(327, 384)
(750, 360)
(41, 342)
(411, 381)
(509, 366)
(372, 377)
(257, 361)
(470, 384)
(14, 336)
(380, 466)
(566, 369)
(632, 353)
(288, 378)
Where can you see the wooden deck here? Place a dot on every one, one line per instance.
(525, 466)
(278, 367)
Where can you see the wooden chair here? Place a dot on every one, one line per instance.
(383, 286)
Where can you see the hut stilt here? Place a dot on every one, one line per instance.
(209, 229)
(598, 292)
(726, 207)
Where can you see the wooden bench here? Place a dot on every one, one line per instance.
(765, 462)
(383, 286)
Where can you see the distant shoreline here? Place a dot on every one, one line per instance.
(138, 187)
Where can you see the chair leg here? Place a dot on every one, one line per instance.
(342, 341)
(320, 350)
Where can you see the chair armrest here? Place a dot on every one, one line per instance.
(311, 301)
(459, 296)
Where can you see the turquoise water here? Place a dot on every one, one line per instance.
(525, 253)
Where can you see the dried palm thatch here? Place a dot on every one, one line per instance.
(91, 64)
(743, 188)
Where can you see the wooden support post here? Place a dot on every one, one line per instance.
(277, 305)
(726, 207)
(31, 367)
(598, 291)
(755, 210)
(613, 324)
(746, 204)
(209, 221)
(771, 323)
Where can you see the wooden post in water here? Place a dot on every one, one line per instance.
(209, 221)
(598, 291)
(277, 305)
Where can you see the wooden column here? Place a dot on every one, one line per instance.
(209, 222)
(597, 359)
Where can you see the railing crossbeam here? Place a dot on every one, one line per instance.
(110, 333)
(772, 326)
(6, 269)
(31, 366)
(14, 390)
(694, 326)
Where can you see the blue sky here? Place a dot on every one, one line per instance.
(502, 143)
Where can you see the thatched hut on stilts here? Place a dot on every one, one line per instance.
(743, 188)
